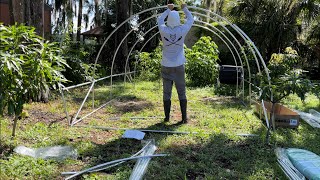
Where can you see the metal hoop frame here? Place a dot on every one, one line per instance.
(206, 26)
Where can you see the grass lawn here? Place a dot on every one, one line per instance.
(214, 151)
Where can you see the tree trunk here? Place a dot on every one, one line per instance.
(28, 12)
(15, 120)
(79, 20)
(42, 14)
(123, 13)
(11, 12)
(70, 19)
(97, 13)
(272, 117)
(106, 11)
(18, 11)
(208, 6)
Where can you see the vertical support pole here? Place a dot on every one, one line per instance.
(85, 99)
(65, 106)
(93, 98)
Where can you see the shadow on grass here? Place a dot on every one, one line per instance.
(193, 156)
(216, 157)
(208, 156)
(219, 157)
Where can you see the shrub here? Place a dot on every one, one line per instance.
(28, 66)
(202, 62)
(78, 57)
(201, 66)
(286, 79)
(149, 65)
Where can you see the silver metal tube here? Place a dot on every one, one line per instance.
(96, 80)
(110, 166)
(107, 39)
(102, 106)
(231, 25)
(191, 7)
(70, 122)
(212, 32)
(265, 113)
(125, 69)
(75, 86)
(143, 130)
(115, 54)
(84, 100)
(245, 56)
(65, 106)
(112, 162)
(229, 49)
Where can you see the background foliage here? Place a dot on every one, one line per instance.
(201, 67)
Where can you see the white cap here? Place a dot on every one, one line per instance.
(173, 19)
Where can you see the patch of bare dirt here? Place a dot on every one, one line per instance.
(39, 115)
(220, 100)
(131, 106)
(99, 137)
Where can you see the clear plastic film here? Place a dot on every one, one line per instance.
(53, 152)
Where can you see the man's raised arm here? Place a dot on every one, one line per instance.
(187, 25)
(161, 23)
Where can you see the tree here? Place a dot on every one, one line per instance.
(208, 5)
(286, 79)
(11, 11)
(63, 14)
(273, 25)
(27, 65)
(28, 12)
(123, 13)
(97, 17)
(79, 20)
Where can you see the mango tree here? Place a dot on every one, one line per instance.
(28, 65)
(286, 79)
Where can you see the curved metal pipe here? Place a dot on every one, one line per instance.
(191, 7)
(249, 72)
(105, 41)
(245, 56)
(115, 54)
(229, 49)
(197, 26)
(237, 30)
(206, 29)
(197, 21)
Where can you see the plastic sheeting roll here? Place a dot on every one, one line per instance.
(308, 163)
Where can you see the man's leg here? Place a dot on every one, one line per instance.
(167, 91)
(181, 90)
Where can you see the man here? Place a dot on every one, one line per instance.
(173, 59)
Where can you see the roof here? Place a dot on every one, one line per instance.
(98, 31)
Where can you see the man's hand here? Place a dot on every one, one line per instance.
(183, 5)
(170, 6)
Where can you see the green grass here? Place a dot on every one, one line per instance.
(214, 152)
